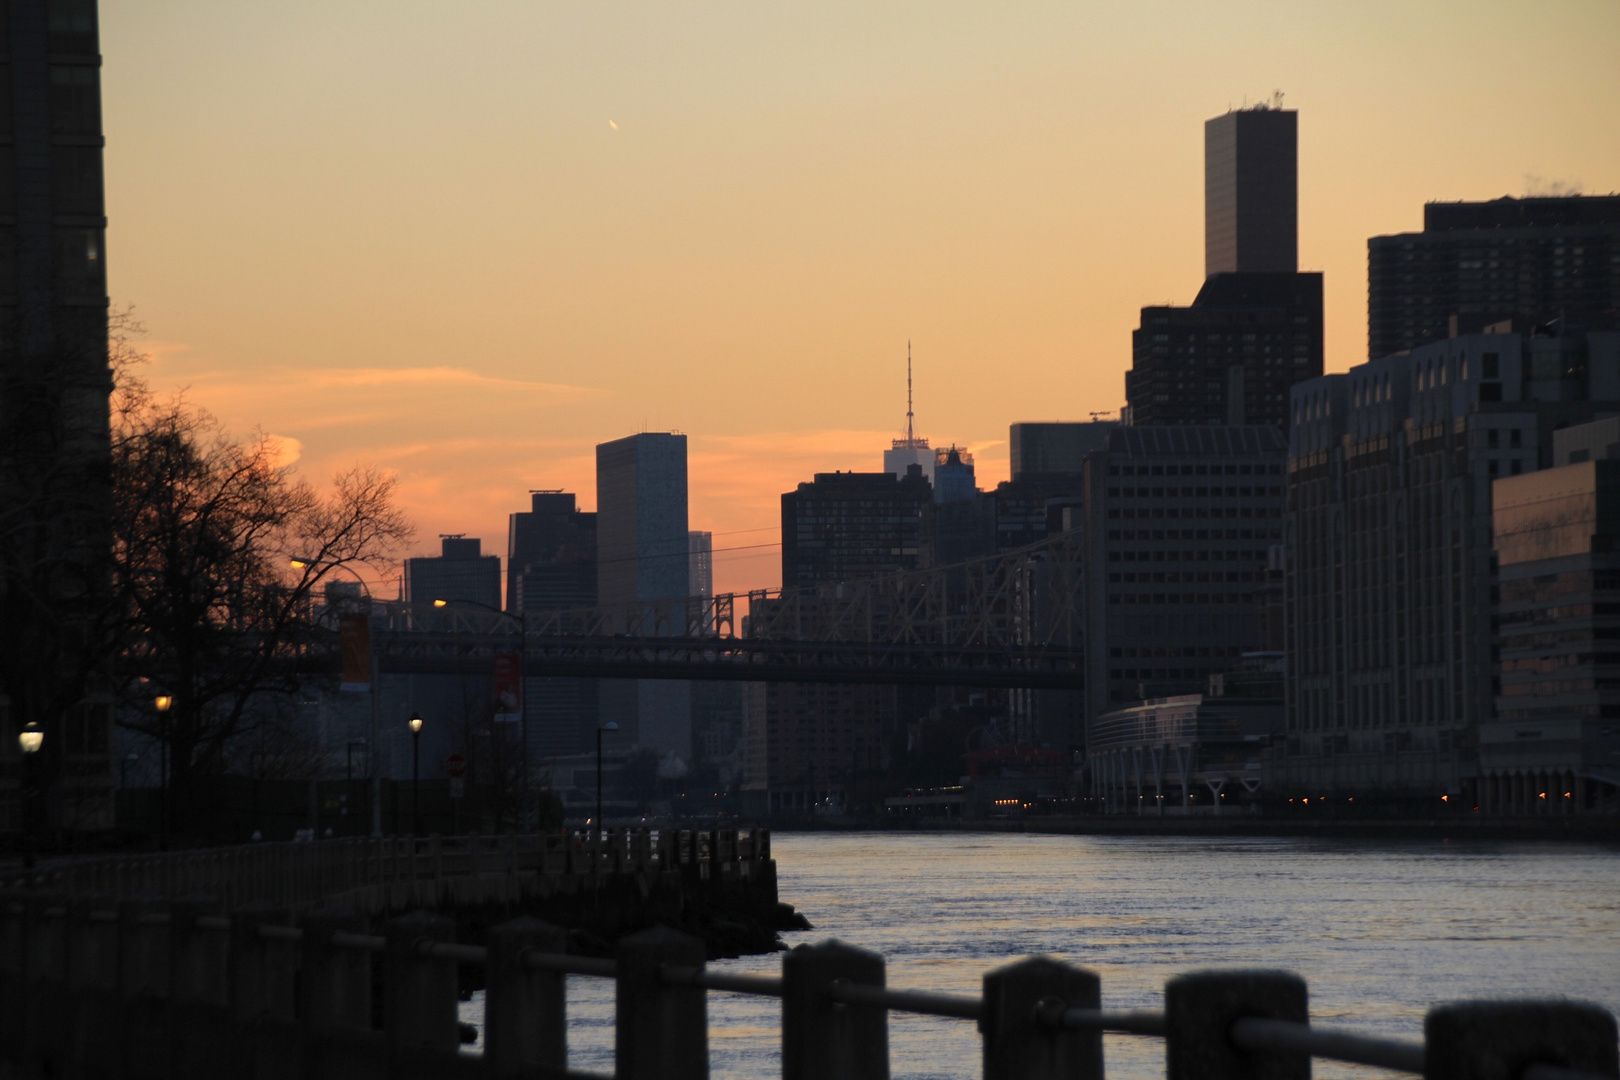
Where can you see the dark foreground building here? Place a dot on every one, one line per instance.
(55, 500)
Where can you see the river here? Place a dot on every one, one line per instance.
(1379, 930)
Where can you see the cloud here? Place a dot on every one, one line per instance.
(284, 449)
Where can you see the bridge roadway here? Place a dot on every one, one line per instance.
(182, 986)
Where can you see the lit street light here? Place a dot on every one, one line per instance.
(416, 773)
(596, 862)
(163, 703)
(29, 740)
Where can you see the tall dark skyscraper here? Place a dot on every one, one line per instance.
(54, 384)
(1251, 192)
(1481, 264)
(1255, 328)
(851, 525)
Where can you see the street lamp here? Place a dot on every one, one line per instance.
(416, 772)
(29, 740)
(596, 862)
(523, 700)
(163, 703)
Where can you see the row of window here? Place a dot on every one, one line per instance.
(1194, 534)
(1200, 555)
(1191, 578)
(1195, 470)
(1131, 512)
(1180, 598)
(1131, 652)
(1195, 492)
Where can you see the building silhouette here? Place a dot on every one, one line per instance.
(1255, 327)
(460, 573)
(1389, 606)
(54, 445)
(851, 525)
(1251, 192)
(1524, 261)
(551, 566)
(643, 559)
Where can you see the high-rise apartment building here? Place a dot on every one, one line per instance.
(1553, 746)
(1251, 192)
(460, 573)
(551, 566)
(54, 385)
(1180, 527)
(1255, 327)
(1389, 553)
(1524, 261)
(644, 557)
(1055, 448)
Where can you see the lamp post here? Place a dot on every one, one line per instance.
(375, 691)
(596, 835)
(523, 702)
(163, 703)
(416, 773)
(29, 740)
(349, 775)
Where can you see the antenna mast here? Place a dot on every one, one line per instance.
(911, 435)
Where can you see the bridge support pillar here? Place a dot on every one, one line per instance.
(662, 1030)
(525, 1010)
(1200, 1009)
(821, 1038)
(1022, 1041)
(1498, 1040)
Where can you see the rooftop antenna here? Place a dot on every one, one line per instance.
(910, 434)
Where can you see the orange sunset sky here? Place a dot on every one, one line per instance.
(467, 241)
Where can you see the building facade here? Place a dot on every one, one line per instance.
(460, 573)
(851, 525)
(1179, 527)
(54, 386)
(1528, 261)
(1251, 192)
(1553, 745)
(1054, 448)
(643, 553)
(551, 566)
(1389, 553)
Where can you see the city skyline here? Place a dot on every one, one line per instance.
(467, 247)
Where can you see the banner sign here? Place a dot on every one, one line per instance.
(508, 687)
(354, 636)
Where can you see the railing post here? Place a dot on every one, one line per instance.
(264, 992)
(336, 984)
(199, 995)
(662, 1030)
(1497, 1040)
(45, 945)
(1199, 1010)
(1022, 1040)
(143, 984)
(420, 993)
(822, 1039)
(93, 975)
(13, 977)
(525, 1012)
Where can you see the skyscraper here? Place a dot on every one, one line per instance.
(1523, 261)
(1251, 192)
(913, 449)
(643, 556)
(54, 383)
(1255, 327)
(461, 572)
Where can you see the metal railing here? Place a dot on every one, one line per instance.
(180, 988)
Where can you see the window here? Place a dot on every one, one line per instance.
(1493, 439)
(1515, 438)
(1490, 366)
(75, 101)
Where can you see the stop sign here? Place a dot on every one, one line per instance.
(455, 765)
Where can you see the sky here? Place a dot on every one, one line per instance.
(465, 242)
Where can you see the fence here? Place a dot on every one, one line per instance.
(150, 988)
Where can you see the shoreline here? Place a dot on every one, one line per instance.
(1557, 830)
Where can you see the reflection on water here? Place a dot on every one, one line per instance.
(1379, 930)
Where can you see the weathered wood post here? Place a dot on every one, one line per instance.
(662, 1030)
(199, 994)
(93, 975)
(143, 984)
(525, 1009)
(1200, 1009)
(264, 993)
(1023, 1036)
(336, 998)
(13, 978)
(1498, 1040)
(821, 1038)
(420, 993)
(45, 974)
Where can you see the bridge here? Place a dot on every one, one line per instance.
(1012, 621)
(97, 984)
